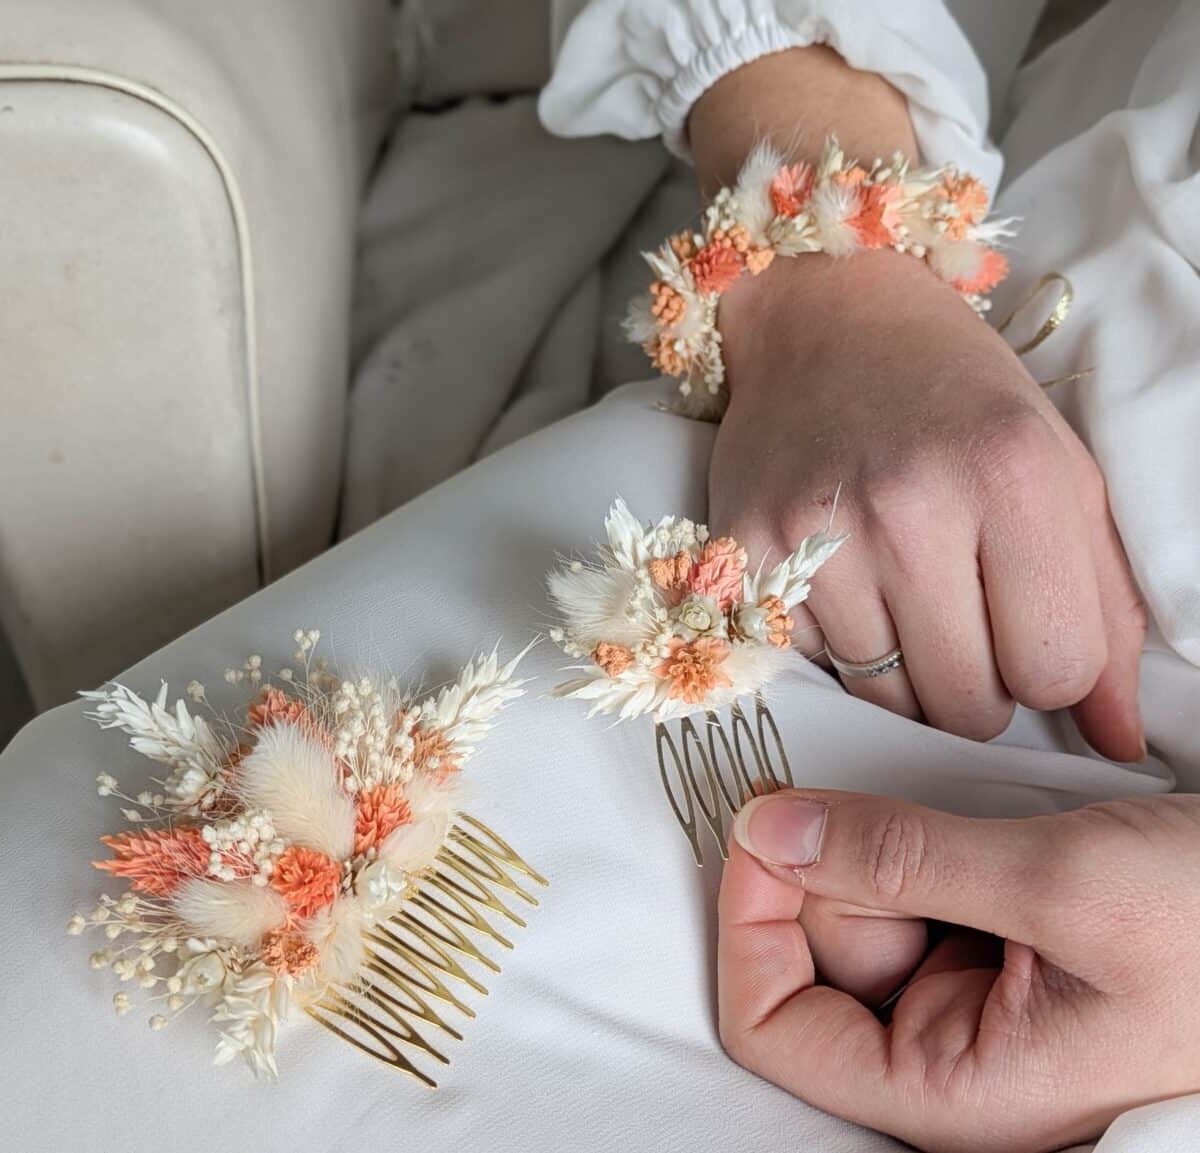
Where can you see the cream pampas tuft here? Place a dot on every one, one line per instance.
(752, 193)
(239, 911)
(596, 602)
(337, 932)
(295, 778)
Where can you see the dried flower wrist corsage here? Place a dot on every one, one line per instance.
(781, 209)
(672, 623)
(308, 854)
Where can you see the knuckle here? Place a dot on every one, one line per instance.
(896, 509)
(1057, 681)
(896, 855)
(801, 518)
(1018, 458)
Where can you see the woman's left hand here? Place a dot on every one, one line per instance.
(980, 537)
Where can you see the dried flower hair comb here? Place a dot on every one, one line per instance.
(672, 623)
(310, 854)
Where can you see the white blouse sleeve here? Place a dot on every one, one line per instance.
(634, 68)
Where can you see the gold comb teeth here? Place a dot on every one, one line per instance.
(709, 775)
(669, 622)
(308, 851)
(411, 959)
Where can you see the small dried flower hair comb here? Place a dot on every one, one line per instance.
(672, 623)
(308, 854)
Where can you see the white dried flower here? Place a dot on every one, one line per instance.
(201, 974)
(254, 1004)
(701, 616)
(171, 736)
(751, 623)
(380, 884)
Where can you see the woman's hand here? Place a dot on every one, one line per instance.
(1062, 994)
(980, 537)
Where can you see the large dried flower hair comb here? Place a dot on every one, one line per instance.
(310, 854)
(672, 623)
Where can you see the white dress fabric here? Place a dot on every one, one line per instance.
(600, 1032)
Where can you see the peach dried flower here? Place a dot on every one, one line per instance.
(694, 669)
(737, 238)
(433, 753)
(287, 952)
(275, 707)
(667, 306)
(993, 268)
(613, 659)
(878, 216)
(665, 356)
(670, 573)
(850, 177)
(759, 260)
(683, 245)
(718, 571)
(306, 879)
(380, 812)
(779, 624)
(717, 266)
(969, 197)
(157, 861)
(791, 188)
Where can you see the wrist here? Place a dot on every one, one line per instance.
(836, 207)
(818, 302)
(839, 289)
(794, 100)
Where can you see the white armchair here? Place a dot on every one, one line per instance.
(178, 189)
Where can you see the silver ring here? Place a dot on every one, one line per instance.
(876, 668)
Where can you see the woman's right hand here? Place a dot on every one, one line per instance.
(1063, 994)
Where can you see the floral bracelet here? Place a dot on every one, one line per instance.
(781, 209)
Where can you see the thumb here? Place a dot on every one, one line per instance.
(890, 855)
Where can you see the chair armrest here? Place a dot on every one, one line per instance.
(228, 144)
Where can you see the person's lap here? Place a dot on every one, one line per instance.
(601, 1029)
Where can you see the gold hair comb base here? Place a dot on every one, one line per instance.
(413, 958)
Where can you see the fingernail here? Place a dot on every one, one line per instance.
(784, 830)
